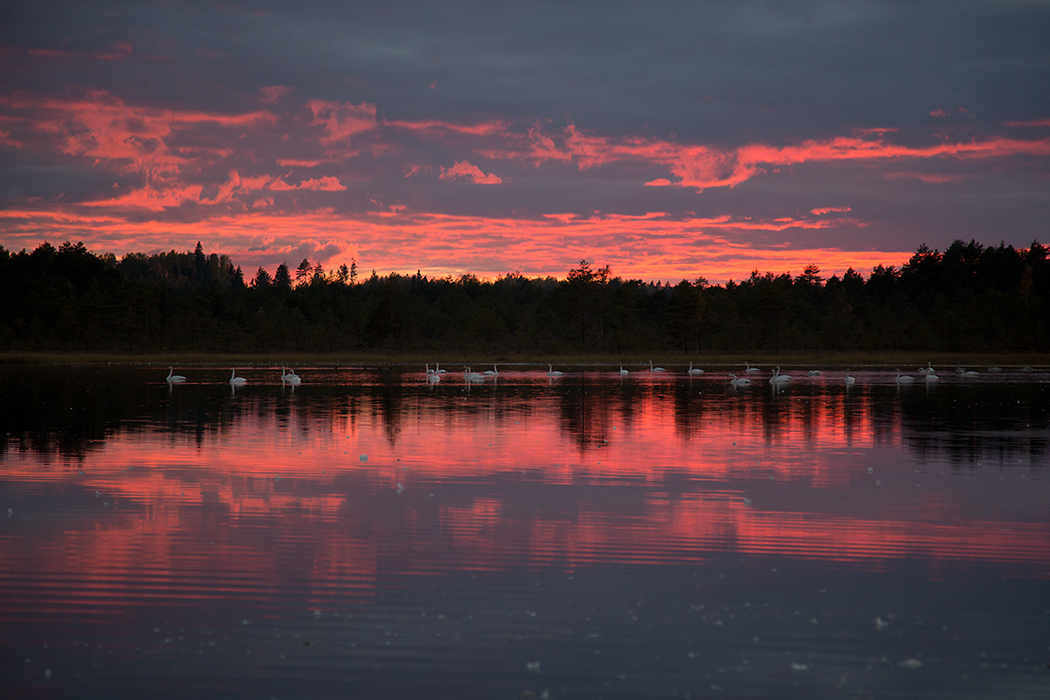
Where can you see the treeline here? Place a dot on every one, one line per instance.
(970, 298)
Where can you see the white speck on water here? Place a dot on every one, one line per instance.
(912, 664)
(795, 666)
(317, 614)
(364, 458)
(243, 622)
(400, 488)
(532, 665)
(870, 470)
(880, 623)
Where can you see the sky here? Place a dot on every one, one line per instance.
(668, 140)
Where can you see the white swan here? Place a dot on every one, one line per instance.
(551, 372)
(623, 372)
(995, 369)
(175, 378)
(779, 378)
(904, 378)
(739, 381)
(290, 377)
(931, 377)
(814, 373)
(472, 377)
(437, 369)
(655, 369)
(850, 380)
(432, 376)
(235, 380)
(966, 374)
(694, 371)
(494, 372)
(749, 368)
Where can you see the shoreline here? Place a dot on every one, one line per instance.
(907, 361)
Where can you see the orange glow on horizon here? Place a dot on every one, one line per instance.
(656, 248)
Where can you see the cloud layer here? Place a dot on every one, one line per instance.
(707, 141)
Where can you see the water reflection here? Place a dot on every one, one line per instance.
(614, 520)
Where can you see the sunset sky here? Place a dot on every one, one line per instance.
(667, 140)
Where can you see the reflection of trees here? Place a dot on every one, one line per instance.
(68, 411)
(688, 407)
(585, 410)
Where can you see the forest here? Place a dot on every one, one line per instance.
(968, 298)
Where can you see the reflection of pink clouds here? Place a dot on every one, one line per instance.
(684, 489)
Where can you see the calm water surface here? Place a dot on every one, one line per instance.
(367, 535)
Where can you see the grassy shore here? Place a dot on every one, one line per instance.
(852, 359)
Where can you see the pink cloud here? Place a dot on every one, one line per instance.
(930, 178)
(700, 167)
(297, 163)
(341, 120)
(321, 184)
(273, 93)
(1034, 122)
(464, 170)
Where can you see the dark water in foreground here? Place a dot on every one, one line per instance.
(366, 535)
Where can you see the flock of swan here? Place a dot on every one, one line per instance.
(290, 378)
(433, 376)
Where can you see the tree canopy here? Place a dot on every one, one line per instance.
(968, 298)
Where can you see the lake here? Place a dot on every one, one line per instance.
(369, 534)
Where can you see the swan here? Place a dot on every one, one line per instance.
(623, 372)
(931, 377)
(432, 376)
(814, 373)
(850, 381)
(438, 370)
(655, 369)
(235, 380)
(492, 372)
(995, 369)
(290, 377)
(969, 374)
(694, 371)
(551, 372)
(175, 378)
(739, 381)
(779, 378)
(472, 377)
(904, 378)
(749, 368)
